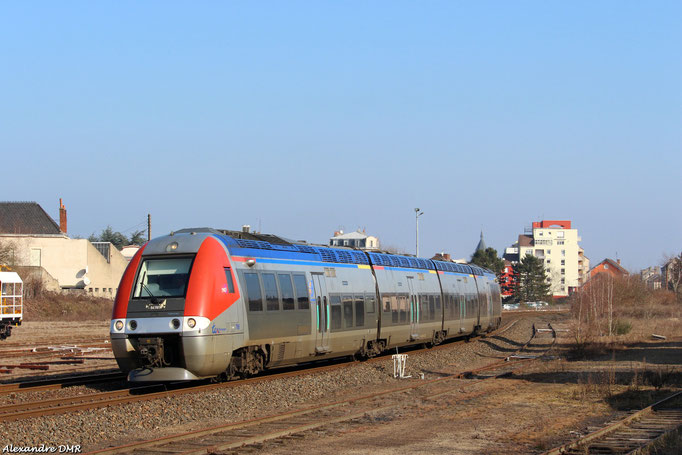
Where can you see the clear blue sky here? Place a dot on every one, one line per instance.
(303, 117)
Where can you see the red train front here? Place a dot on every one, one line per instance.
(175, 316)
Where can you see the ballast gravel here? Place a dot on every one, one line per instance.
(116, 425)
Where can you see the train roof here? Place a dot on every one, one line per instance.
(239, 242)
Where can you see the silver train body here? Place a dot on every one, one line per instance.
(204, 303)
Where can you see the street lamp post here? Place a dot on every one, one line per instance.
(417, 214)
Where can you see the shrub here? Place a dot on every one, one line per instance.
(621, 327)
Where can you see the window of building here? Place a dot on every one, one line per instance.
(549, 252)
(559, 242)
(563, 281)
(560, 234)
(563, 252)
(287, 291)
(563, 271)
(563, 262)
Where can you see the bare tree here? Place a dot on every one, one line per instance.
(7, 253)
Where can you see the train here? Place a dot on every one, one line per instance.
(11, 302)
(207, 303)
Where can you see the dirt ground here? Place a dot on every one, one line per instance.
(544, 406)
(539, 408)
(53, 340)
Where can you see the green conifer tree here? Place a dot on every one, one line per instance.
(531, 280)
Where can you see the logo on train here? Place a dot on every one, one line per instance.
(215, 329)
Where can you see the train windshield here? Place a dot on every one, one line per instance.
(163, 278)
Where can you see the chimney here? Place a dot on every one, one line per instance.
(246, 228)
(618, 260)
(62, 216)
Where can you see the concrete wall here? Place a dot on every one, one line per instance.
(70, 261)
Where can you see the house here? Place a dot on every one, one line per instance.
(40, 248)
(358, 239)
(556, 244)
(609, 267)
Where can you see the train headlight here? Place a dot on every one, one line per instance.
(191, 323)
(132, 325)
(119, 325)
(175, 324)
(172, 247)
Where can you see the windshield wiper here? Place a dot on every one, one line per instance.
(153, 297)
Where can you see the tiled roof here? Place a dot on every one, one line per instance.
(525, 240)
(26, 218)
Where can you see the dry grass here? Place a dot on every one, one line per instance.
(50, 306)
(610, 313)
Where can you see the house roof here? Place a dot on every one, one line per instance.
(26, 218)
(525, 240)
(612, 263)
(351, 235)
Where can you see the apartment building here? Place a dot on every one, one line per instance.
(556, 243)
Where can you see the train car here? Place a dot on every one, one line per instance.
(11, 302)
(203, 303)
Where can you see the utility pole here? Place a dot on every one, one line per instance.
(149, 226)
(417, 214)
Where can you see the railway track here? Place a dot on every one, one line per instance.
(632, 433)
(143, 393)
(60, 383)
(255, 431)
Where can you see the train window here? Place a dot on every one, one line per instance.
(347, 301)
(395, 309)
(432, 308)
(402, 305)
(424, 307)
(230, 283)
(437, 298)
(359, 311)
(253, 291)
(162, 278)
(369, 303)
(386, 298)
(271, 294)
(335, 302)
(287, 291)
(301, 292)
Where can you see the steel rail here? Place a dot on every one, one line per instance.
(59, 383)
(293, 421)
(117, 397)
(658, 428)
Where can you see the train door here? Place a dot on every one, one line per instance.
(462, 311)
(321, 314)
(489, 296)
(414, 309)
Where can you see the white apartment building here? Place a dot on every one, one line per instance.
(358, 239)
(556, 244)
